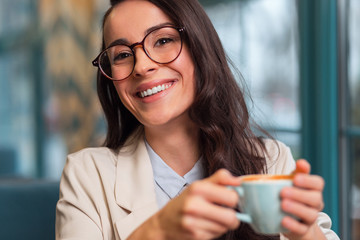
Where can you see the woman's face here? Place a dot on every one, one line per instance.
(130, 20)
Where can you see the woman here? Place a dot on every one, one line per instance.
(176, 120)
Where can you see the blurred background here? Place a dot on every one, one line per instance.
(300, 61)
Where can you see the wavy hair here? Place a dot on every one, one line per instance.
(219, 109)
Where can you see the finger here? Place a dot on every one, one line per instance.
(198, 207)
(310, 198)
(307, 214)
(199, 228)
(294, 226)
(302, 166)
(306, 181)
(214, 193)
(224, 177)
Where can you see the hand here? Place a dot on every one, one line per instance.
(304, 201)
(202, 211)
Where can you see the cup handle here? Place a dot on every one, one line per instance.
(241, 216)
(238, 189)
(244, 217)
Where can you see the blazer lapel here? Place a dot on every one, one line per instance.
(134, 187)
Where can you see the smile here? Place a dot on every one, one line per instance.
(154, 90)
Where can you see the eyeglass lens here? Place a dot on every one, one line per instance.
(162, 45)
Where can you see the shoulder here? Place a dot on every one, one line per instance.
(92, 152)
(88, 166)
(102, 161)
(279, 159)
(275, 148)
(92, 156)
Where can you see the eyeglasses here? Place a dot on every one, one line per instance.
(162, 45)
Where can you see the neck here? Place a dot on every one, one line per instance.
(178, 146)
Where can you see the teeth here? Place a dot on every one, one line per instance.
(154, 90)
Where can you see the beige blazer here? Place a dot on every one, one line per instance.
(107, 195)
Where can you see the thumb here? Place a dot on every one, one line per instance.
(224, 177)
(302, 166)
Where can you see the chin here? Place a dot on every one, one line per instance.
(155, 123)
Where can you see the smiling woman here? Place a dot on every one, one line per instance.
(152, 67)
(178, 134)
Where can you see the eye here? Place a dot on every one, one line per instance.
(122, 57)
(164, 41)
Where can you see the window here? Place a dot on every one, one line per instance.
(350, 86)
(17, 97)
(261, 39)
(48, 101)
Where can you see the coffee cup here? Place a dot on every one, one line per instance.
(260, 203)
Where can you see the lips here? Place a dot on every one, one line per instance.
(154, 90)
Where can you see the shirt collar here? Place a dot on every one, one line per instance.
(167, 179)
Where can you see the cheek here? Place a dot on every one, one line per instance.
(186, 66)
(190, 77)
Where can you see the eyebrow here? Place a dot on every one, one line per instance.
(124, 41)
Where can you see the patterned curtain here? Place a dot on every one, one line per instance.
(72, 32)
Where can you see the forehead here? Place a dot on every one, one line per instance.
(131, 19)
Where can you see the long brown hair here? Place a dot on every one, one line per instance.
(219, 109)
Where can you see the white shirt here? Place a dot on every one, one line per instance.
(169, 184)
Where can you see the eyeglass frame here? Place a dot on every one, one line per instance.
(96, 62)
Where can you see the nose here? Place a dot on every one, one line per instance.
(143, 64)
